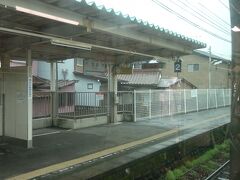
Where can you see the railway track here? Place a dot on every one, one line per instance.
(222, 173)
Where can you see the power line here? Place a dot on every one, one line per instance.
(188, 21)
(223, 4)
(200, 17)
(213, 14)
(217, 18)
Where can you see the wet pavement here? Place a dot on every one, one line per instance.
(52, 146)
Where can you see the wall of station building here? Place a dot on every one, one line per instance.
(220, 77)
(14, 86)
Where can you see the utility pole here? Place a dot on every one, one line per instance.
(209, 67)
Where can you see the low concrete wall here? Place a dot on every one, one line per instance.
(85, 122)
(42, 123)
(73, 124)
(80, 123)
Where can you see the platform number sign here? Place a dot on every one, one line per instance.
(177, 66)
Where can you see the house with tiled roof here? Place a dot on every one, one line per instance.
(142, 79)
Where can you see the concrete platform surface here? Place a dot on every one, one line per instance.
(74, 147)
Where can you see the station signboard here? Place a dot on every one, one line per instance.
(94, 68)
(178, 66)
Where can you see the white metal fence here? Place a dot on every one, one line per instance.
(41, 104)
(76, 105)
(141, 104)
(158, 103)
(125, 102)
(81, 104)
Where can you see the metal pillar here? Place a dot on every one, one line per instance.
(216, 101)
(169, 102)
(53, 87)
(112, 94)
(30, 93)
(109, 69)
(53, 77)
(115, 100)
(150, 104)
(207, 99)
(185, 101)
(135, 105)
(5, 62)
(197, 100)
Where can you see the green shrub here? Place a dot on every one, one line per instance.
(170, 175)
(178, 173)
(183, 169)
(208, 169)
(194, 174)
(226, 147)
(213, 152)
(227, 141)
(196, 162)
(211, 164)
(189, 164)
(226, 155)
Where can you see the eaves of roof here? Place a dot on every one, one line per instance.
(206, 54)
(147, 24)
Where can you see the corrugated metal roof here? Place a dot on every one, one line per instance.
(141, 22)
(167, 82)
(45, 83)
(140, 78)
(143, 77)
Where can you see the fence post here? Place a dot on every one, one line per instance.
(185, 100)
(216, 98)
(150, 104)
(135, 105)
(169, 102)
(197, 99)
(95, 105)
(229, 97)
(74, 105)
(121, 99)
(224, 100)
(207, 100)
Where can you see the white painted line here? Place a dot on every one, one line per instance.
(44, 134)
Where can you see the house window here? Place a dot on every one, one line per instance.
(79, 62)
(90, 86)
(137, 66)
(193, 67)
(79, 65)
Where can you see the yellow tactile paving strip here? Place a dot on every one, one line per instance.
(66, 164)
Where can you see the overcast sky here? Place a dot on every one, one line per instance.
(204, 20)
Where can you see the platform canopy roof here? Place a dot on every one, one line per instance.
(62, 29)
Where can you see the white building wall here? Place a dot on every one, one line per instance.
(68, 66)
(16, 105)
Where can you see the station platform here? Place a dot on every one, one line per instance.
(85, 153)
